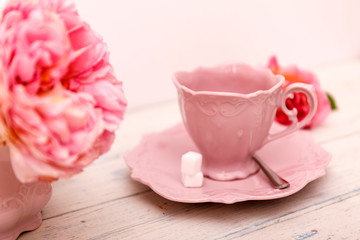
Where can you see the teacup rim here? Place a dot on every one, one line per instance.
(229, 94)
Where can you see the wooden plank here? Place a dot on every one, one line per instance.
(100, 183)
(340, 220)
(149, 216)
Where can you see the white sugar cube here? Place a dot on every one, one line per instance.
(195, 180)
(191, 163)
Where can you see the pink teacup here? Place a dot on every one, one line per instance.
(228, 111)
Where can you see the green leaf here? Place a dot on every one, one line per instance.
(332, 101)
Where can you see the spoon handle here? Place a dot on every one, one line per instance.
(276, 180)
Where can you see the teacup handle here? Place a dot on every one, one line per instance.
(310, 93)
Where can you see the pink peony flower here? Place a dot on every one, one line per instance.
(293, 74)
(60, 101)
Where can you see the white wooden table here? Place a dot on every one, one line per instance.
(105, 203)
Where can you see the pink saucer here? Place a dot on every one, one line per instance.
(156, 163)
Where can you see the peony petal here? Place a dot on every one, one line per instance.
(28, 169)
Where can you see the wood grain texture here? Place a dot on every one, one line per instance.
(104, 203)
(338, 220)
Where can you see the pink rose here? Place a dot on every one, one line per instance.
(293, 74)
(60, 101)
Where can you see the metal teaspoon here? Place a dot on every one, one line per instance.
(276, 180)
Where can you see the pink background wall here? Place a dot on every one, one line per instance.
(150, 39)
